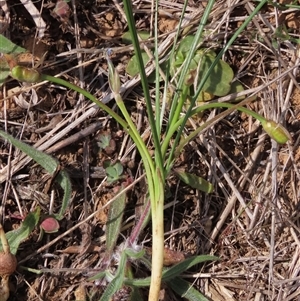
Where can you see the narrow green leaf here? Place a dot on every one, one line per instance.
(183, 266)
(115, 216)
(138, 282)
(46, 161)
(186, 290)
(135, 293)
(195, 181)
(117, 282)
(64, 181)
(170, 273)
(99, 275)
(15, 237)
(7, 46)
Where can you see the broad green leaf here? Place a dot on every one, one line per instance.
(218, 82)
(132, 67)
(7, 46)
(185, 290)
(195, 181)
(185, 45)
(64, 181)
(115, 217)
(15, 237)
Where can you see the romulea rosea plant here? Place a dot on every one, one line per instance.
(156, 178)
(158, 166)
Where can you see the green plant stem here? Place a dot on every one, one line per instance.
(126, 124)
(156, 181)
(158, 110)
(108, 110)
(146, 158)
(154, 175)
(210, 70)
(156, 192)
(202, 108)
(185, 66)
(157, 207)
(226, 47)
(136, 45)
(178, 110)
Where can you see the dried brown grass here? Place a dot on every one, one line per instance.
(251, 221)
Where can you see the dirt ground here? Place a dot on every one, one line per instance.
(251, 220)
